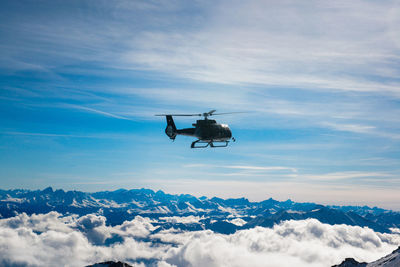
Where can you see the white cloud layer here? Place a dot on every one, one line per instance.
(50, 239)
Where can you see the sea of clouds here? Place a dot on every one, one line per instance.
(53, 239)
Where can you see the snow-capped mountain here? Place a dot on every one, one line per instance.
(219, 215)
(391, 260)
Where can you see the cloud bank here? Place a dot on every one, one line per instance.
(49, 239)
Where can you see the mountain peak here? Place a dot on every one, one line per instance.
(160, 192)
(48, 190)
(350, 262)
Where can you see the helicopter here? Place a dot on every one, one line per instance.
(208, 132)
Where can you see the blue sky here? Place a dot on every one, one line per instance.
(81, 82)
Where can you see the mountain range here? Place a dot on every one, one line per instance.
(219, 215)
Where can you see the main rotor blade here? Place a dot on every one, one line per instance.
(210, 113)
(229, 113)
(186, 115)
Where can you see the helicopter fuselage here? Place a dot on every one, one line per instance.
(208, 131)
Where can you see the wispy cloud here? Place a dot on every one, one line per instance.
(242, 167)
(274, 48)
(96, 111)
(347, 175)
(261, 168)
(318, 53)
(363, 129)
(351, 127)
(98, 135)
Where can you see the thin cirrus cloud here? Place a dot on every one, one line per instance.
(46, 239)
(242, 167)
(273, 48)
(260, 168)
(69, 135)
(92, 110)
(362, 129)
(271, 171)
(278, 47)
(348, 175)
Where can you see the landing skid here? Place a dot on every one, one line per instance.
(206, 144)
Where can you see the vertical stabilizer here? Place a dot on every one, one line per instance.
(171, 128)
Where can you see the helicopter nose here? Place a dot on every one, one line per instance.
(228, 132)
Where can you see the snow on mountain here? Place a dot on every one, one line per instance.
(238, 222)
(391, 260)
